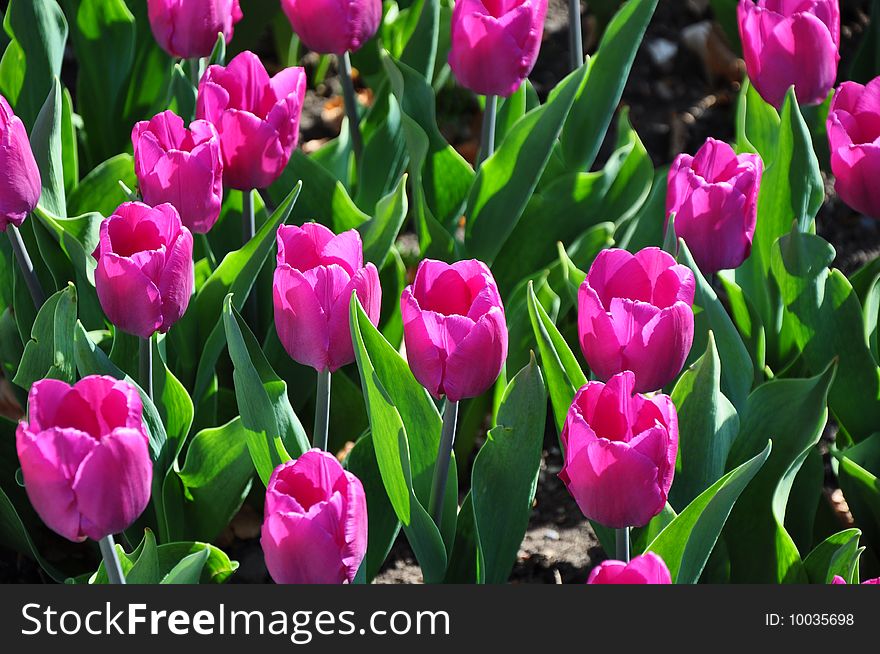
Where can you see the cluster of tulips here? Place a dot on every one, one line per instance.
(87, 450)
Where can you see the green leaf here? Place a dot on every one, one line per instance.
(145, 569)
(14, 534)
(421, 48)
(380, 232)
(859, 475)
(49, 353)
(836, 555)
(99, 191)
(69, 148)
(757, 124)
(188, 570)
(46, 141)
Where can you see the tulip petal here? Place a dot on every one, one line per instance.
(475, 363)
(299, 319)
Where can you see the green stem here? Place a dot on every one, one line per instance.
(322, 410)
(209, 253)
(487, 142)
(145, 365)
(195, 69)
(351, 111)
(248, 229)
(26, 265)
(575, 37)
(444, 454)
(623, 544)
(111, 560)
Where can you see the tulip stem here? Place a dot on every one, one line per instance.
(27, 266)
(111, 560)
(487, 142)
(351, 110)
(249, 228)
(195, 70)
(623, 544)
(444, 454)
(145, 365)
(322, 410)
(575, 37)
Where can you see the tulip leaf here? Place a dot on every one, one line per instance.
(792, 412)
(99, 191)
(707, 426)
(600, 91)
(859, 475)
(50, 352)
(188, 570)
(145, 569)
(686, 543)
(757, 124)
(836, 555)
(14, 534)
(380, 232)
(172, 401)
(46, 143)
(466, 559)
(505, 473)
(216, 567)
(420, 50)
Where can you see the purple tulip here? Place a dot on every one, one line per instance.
(180, 166)
(189, 28)
(790, 42)
(333, 26)
(257, 118)
(84, 456)
(316, 274)
(454, 328)
(854, 137)
(144, 277)
(840, 581)
(620, 451)
(20, 184)
(634, 313)
(495, 43)
(645, 569)
(315, 529)
(714, 196)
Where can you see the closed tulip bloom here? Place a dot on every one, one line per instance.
(84, 456)
(790, 43)
(620, 450)
(645, 569)
(840, 581)
(317, 273)
(315, 525)
(257, 118)
(854, 137)
(634, 313)
(454, 328)
(714, 196)
(20, 183)
(333, 26)
(180, 166)
(189, 28)
(145, 276)
(495, 43)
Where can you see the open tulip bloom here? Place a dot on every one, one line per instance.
(645, 569)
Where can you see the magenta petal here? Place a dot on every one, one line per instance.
(300, 321)
(177, 282)
(425, 359)
(118, 280)
(476, 362)
(299, 550)
(369, 292)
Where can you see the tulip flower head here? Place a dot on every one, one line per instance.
(145, 275)
(454, 328)
(317, 273)
(333, 26)
(315, 526)
(181, 166)
(634, 313)
(645, 569)
(790, 43)
(189, 28)
(854, 138)
(620, 451)
(840, 581)
(256, 117)
(84, 456)
(495, 43)
(20, 183)
(714, 196)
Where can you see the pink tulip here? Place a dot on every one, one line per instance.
(144, 277)
(634, 313)
(790, 43)
(84, 456)
(495, 43)
(454, 328)
(645, 569)
(316, 275)
(189, 28)
(315, 529)
(257, 118)
(854, 138)
(180, 166)
(714, 196)
(333, 26)
(620, 450)
(838, 580)
(20, 183)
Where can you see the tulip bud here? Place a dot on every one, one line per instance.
(20, 184)
(333, 26)
(257, 118)
(189, 28)
(645, 569)
(84, 456)
(454, 328)
(495, 43)
(790, 43)
(714, 196)
(853, 126)
(620, 450)
(840, 581)
(634, 313)
(145, 276)
(316, 274)
(180, 166)
(315, 529)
